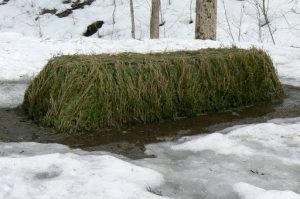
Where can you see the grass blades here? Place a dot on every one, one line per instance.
(85, 93)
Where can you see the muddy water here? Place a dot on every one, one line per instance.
(14, 127)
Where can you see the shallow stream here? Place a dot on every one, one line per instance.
(14, 127)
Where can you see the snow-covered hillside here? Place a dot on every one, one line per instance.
(254, 161)
(237, 20)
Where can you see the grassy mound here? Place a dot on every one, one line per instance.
(82, 93)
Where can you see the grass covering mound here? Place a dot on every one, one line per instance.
(82, 93)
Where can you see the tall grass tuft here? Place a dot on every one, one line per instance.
(84, 93)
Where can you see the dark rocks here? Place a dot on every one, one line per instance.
(79, 5)
(48, 11)
(66, 1)
(93, 28)
(64, 13)
(76, 5)
(4, 2)
(162, 23)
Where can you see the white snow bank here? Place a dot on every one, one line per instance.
(270, 135)
(237, 20)
(208, 166)
(216, 142)
(287, 62)
(11, 94)
(30, 170)
(284, 138)
(247, 191)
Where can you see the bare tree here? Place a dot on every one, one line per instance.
(265, 8)
(191, 18)
(241, 22)
(114, 12)
(262, 9)
(154, 20)
(206, 19)
(132, 20)
(162, 18)
(227, 21)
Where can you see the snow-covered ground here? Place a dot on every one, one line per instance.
(50, 171)
(23, 16)
(235, 160)
(257, 161)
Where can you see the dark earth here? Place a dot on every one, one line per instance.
(15, 127)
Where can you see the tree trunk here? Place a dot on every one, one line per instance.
(114, 12)
(132, 20)
(206, 19)
(154, 20)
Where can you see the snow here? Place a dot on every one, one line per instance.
(65, 174)
(254, 161)
(287, 62)
(217, 142)
(247, 161)
(11, 93)
(269, 135)
(264, 155)
(247, 191)
(23, 16)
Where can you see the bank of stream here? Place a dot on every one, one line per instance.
(14, 127)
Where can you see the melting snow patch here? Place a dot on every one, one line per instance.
(11, 94)
(247, 191)
(284, 138)
(275, 136)
(69, 175)
(216, 142)
(208, 166)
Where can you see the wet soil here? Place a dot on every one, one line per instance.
(14, 127)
